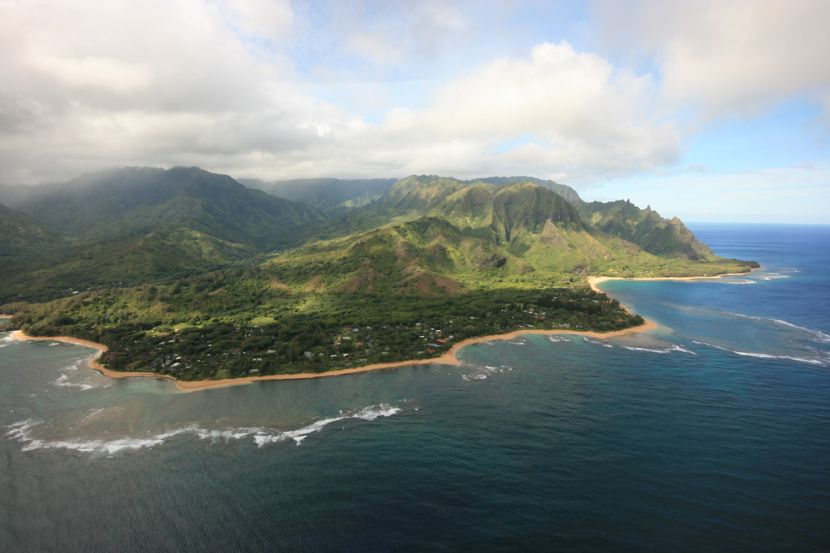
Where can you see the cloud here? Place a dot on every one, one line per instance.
(373, 47)
(191, 82)
(797, 194)
(116, 75)
(727, 58)
(270, 19)
(91, 84)
(574, 113)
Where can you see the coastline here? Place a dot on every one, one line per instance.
(595, 281)
(448, 358)
(93, 362)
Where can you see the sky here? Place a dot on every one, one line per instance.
(703, 109)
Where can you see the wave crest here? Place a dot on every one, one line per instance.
(761, 355)
(22, 431)
(671, 349)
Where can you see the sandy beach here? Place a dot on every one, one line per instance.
(448, 358)
(595, 281)
(93, 362)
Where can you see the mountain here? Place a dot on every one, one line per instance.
(130, 201)
(406, 276)
(415, 196)
(561, 189)
(327, 195)
(132, 225)
(19, 235)
(447, 236)
(646, 228)
(24, 247)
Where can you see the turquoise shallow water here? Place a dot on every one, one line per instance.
(708, 435)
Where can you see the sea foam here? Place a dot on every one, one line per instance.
(22, 432)
(817, 335)
(597, 342)
(63, 380)
(6, 341)
(481, 373)
(671, 349)
(761, 355)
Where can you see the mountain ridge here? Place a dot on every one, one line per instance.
(405, 276)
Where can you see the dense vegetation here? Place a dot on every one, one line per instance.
(130, 226)
(200, 329)
(173, 271)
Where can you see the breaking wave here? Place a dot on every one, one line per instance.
(557, 339)
(761, 355)
(597, 342)
(22, 432)
(481, 373)
(815, 334)
(63, 380)
(772, 276)
(670, 349)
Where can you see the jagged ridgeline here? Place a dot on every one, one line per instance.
(186, 285)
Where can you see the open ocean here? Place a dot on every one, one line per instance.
(711, 434)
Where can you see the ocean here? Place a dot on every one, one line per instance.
(710, 434)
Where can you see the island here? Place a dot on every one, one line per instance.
(405, 279)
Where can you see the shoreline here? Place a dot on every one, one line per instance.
(93, 362)
(595, 281)
(448, 358)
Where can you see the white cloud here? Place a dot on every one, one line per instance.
(108, 73)
(373, 47)
(270, 19)
(92, 85)
(573, 112)
(733, 57)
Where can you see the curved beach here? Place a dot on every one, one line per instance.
(448, 358)
(595, 281)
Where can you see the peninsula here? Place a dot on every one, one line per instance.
(450, 357)
(429, 266)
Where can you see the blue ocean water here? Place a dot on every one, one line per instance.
(710, 434)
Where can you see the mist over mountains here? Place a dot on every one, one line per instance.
(132, 225)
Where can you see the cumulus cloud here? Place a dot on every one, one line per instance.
(269, 19)
(556, 111)
(197, 82)
(91, 84)
(735, 57)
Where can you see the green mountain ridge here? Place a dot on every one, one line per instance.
(325, 194)
(20, 234)
(477, 235)
(133, 200)
(405, 276)
(131, 225)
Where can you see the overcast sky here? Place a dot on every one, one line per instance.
(709, 110)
